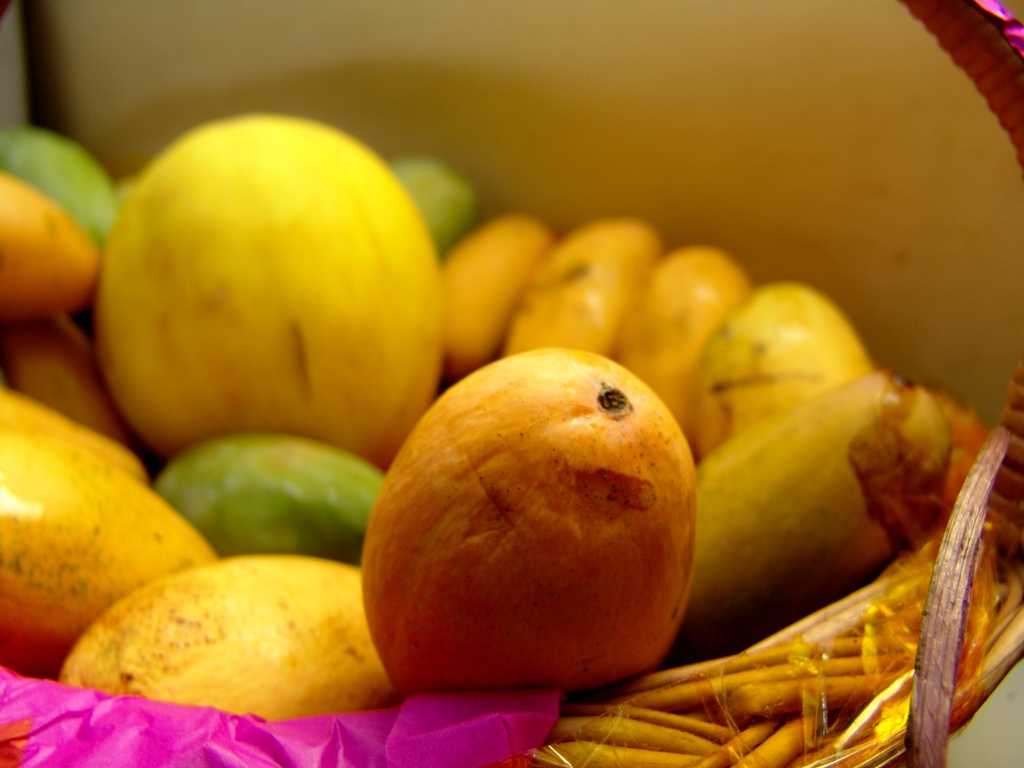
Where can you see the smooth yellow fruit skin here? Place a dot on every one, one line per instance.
(53, 362)
(21, 413)
(689, 293)
(76, 534)
(270, 274)
(280, 636)
(578, 297)
(481, 282)
(49, 265)
(804, 506)
(787, 343)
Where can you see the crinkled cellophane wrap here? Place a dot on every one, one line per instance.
(835, 689)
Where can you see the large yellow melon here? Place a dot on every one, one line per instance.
(270, 273)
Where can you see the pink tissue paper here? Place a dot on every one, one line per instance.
(46, 724)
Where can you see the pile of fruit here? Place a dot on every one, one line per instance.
(287, 429)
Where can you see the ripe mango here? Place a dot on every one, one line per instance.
(20, 413)
(787, 343)
(76, 534)
(267, 493)
(689, 293)
(49, 265)
(804, 506)
(535, 530)
(63, 170)
(578, 297)
(481, 282)
(53, 362)
(280, 636)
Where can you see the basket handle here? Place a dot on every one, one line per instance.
(995, 481)
(944, 617)
(986, 42)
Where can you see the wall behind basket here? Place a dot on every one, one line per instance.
(820, 140)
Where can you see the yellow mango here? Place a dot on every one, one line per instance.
(481, 281)
(579, 295)
(689, 293)
(76, 534)
(49, 264)
(787, 343)
(20, 413)
(53, 362)
(281, 636)
(804, 506)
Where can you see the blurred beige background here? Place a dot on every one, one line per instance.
(13, 80)
(819, 140)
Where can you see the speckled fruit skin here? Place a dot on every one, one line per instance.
(77, 533)
(536, 529)
(280, 636)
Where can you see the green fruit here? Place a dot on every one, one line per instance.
(267, 493)
(446, 200)
(63, 170)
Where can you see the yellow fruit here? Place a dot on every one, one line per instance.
(53, 362)
(76, 534)
(535, 530)
(49, 264)
(481, 281)
(804, 506)
(270, 274)
(20, 413)
(280, 636)
(689, 293)
(578, 297)
(784, 345)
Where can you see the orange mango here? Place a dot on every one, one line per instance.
(53, 362)
(536, 529)
(481, 281)
(689, 293)
(580, 294)
(48, 264)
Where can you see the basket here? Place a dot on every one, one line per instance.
(988, 44)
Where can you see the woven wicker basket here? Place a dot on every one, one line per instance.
(988, 44)
(977, 37)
